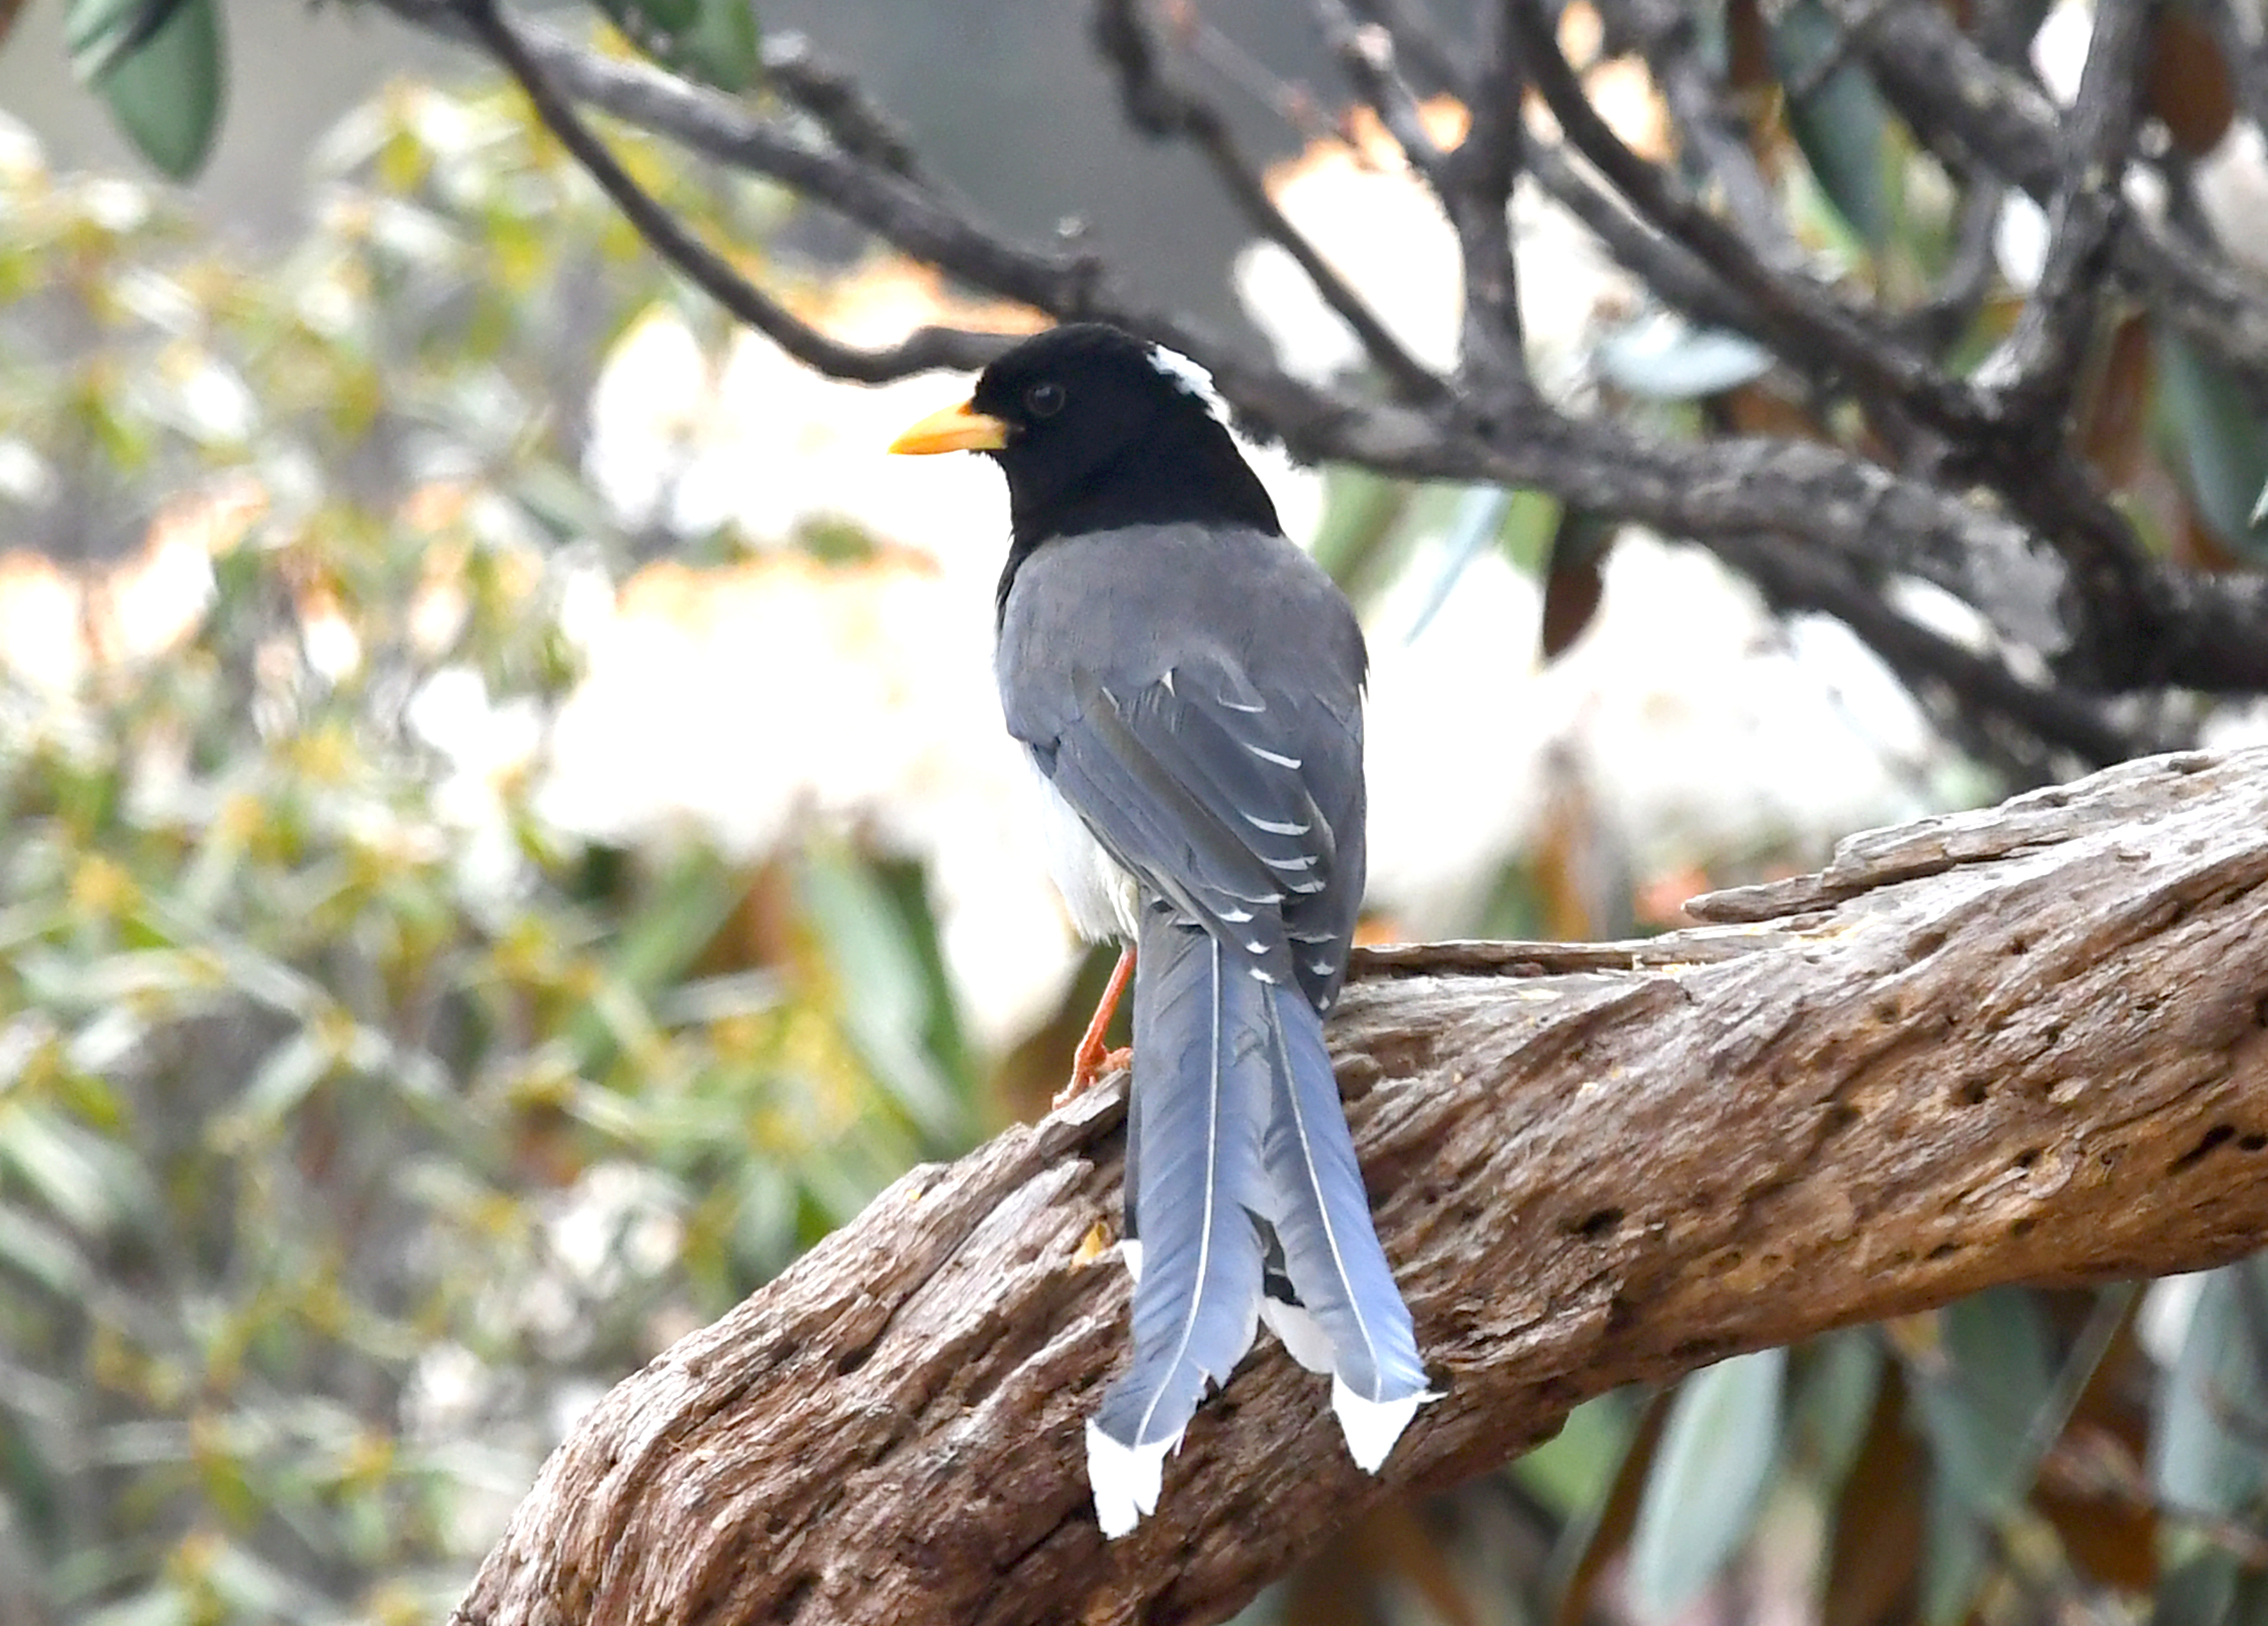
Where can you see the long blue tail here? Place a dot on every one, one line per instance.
(1202, 1080)
(1331, 1253)
(1236, 1126)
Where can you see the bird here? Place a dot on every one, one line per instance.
(1189, 686)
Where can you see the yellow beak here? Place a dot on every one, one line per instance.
(956, 428)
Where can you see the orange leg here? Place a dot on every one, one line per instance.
(1091, 1061)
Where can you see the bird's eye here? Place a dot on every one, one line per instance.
(1044, 400)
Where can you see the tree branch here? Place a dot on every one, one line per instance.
(2032, 379)
(2029, 1044)
(925, 348)
(1669, 36)
(840, 106)
(2181, 630)
(1474, 182)
(1964, 106)
(1801, 315)
(1159, 105)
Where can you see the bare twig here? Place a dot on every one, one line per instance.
(926, 348)
(840, 105)
(1941, 319)
(1667, 269)
(1475, 182)
(2003, 715)
(1800, 315)
(1668, 34)
(2033, 375)
(1416, 40)
(1980, 115)
(1369, 55)
(1159, 105)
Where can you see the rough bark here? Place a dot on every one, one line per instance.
(2024, 1045)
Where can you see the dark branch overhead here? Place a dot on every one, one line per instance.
(1977, 483)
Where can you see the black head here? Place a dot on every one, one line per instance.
(1096, 428)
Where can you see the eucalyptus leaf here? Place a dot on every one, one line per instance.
(165, 87)
(1839, 122)
(2207, 1452)
(1837, 1381)
(715, 41)
(1572, 1471)
(1979, 1403)
(2199, 1591)
(1480, 517)
(888, 993)
(1954, 1556)
(1719, 1447)
(2219, 441)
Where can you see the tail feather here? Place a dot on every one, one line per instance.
(1331, 1253)
(1201, 1075)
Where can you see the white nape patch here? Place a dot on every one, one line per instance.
(1371, 1426)
(1130, 1253)
(1302, 1335)
(1125, 1479)
(1192, 379)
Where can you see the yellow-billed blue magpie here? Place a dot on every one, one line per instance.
(1189, 686)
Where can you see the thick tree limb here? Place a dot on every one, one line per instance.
(2027, 1044)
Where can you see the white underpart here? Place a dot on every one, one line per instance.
(1130, 1255)
(1101, 897)
(1296, 1326)
(1193, 378)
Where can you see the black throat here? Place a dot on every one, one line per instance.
(1194, 475)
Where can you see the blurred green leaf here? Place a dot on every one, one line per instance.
(2209, 1451)
(1836, 1384)
(2218, 440)
(1840, 122)
(1573, 1470)
(715, 41)
(166, 91)
(2199, 1591)
(889, 994)
(1718, 1449)
(1982, 1392)
(1980, 1398)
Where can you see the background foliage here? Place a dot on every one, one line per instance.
(357, 1125)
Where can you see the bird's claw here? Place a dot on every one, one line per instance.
(1089, 1070)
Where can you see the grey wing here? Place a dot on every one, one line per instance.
(1233, 802)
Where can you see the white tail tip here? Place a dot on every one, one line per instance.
(1371, 1426)
(1125, 1479)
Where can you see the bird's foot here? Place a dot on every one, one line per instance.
(1089, 1070)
